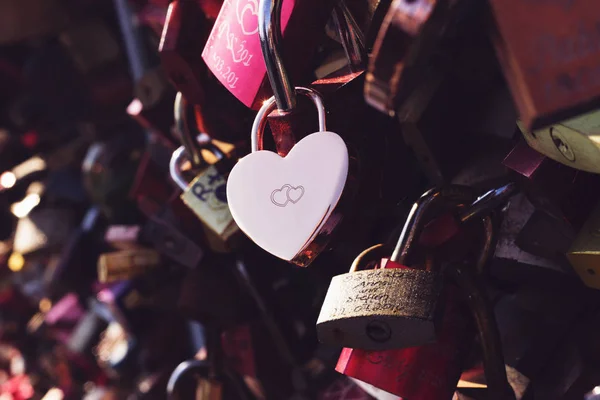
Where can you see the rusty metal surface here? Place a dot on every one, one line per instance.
(551, 56)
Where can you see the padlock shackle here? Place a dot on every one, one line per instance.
(353, 39)
(419, 215)
(269, 31)
(488, 201)
(179, 155)
(258, 127)
(175, 167)
(183, 127)
(372, 254)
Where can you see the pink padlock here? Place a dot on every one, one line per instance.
(233, 50)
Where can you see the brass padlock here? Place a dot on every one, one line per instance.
(393, 307)
(585, 251)
(206, 196)
(573, 142)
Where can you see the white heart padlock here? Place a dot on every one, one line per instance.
(281, 203)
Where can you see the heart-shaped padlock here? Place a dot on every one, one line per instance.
(283, 203)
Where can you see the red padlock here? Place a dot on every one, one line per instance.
(424, 372)
(429, 371)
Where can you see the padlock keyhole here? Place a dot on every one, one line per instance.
(379, 331)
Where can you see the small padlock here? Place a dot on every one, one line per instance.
(287, 205)
(392, 307)
(551, 60)
(233, 49)
(432, 371)
(206, 197)
(296, 195)
(126, 264)
(340, 88)
(573, 142)
(361, 305)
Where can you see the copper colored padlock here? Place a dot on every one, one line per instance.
(550, 56)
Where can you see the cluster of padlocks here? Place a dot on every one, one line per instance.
(300, 199)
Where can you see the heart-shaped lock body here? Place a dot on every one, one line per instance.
(282, 203)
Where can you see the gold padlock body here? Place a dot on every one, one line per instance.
(200, 196)
(574, 142)
(380, 309)
(126, 264)
(584, 254)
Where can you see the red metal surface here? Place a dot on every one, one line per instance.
(425, 372)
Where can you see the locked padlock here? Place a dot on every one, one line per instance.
(380, 309)
(429, 371)
(573, 142)
(296, 195)
(233, 50)
(549, 56)
(287, 205)
(205, 195)
(340, 88)
(432, 371)
(394, 306)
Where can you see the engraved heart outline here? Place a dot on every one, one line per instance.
(276, 191)
(294, 189)
(287, 195)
